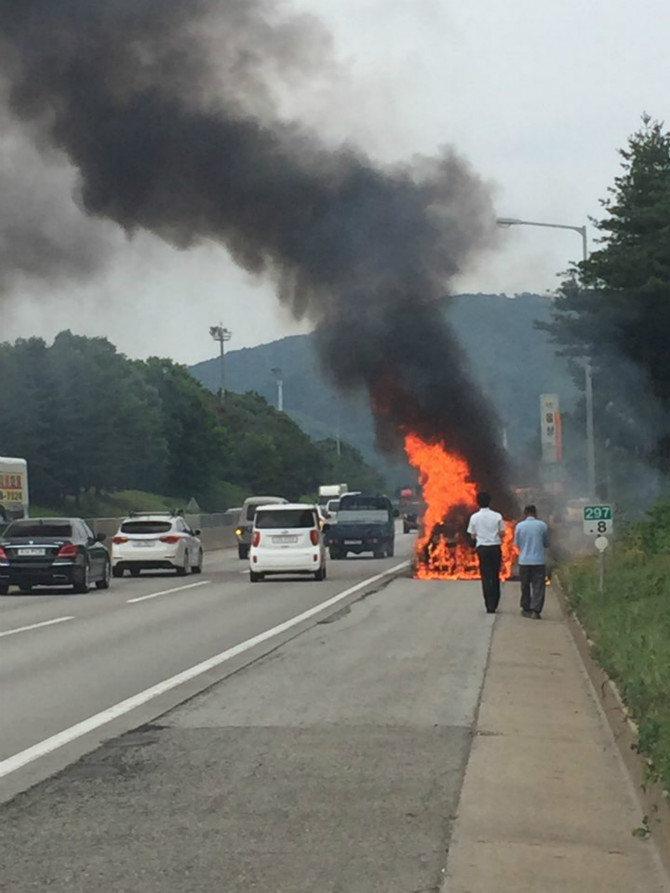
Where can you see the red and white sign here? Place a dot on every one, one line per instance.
(550, 428)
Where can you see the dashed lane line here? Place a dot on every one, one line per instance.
(144, 598)
(25, 629)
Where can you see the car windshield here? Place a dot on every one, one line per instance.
(33, 529)
(376, 503)
(146, 526)
(289, 518)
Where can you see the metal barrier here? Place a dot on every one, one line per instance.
(217, 531)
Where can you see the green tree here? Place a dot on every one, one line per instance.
(104, 419)
(196, 443)
(347, 465)
(614, 307)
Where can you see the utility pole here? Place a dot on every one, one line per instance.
(280, 388)
(220, 334)
(588, 371)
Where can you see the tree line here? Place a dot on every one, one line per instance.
(614, 309)
(88, 419)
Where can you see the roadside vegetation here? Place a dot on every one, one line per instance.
(630, 625)
(103, 434)
(614, 308)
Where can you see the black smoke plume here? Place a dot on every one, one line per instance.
(170, 137)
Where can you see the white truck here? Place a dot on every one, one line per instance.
(331, 491)
(14, 502)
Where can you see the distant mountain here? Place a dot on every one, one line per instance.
(512, 360)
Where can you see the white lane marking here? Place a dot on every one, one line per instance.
(21, 759)
(25, 629)
(144, 598)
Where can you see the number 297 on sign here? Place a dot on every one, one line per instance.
(598, 519)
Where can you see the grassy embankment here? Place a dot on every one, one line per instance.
(630, 625)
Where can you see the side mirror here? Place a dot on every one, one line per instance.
(99, 537)
(197, 532)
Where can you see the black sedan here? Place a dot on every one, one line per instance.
(52, 552)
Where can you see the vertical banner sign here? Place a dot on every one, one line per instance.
(550, 428)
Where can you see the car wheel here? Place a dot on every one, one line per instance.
(117, 572)
(197, 568)
(406, 528)
(183, 570)
(134, 571)
(254, 577)
(335, 554)
(242, 551)
(390, 550)
(4, 588)
(26, 590)
(81, 579)
(104, 583)
(321, 573)
(379, 553)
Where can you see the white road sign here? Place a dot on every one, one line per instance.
(598, 519)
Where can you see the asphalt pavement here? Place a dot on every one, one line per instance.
(333, 763)
(399, 740)
(70, 660)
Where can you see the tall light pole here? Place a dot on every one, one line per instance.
(280, 388)
(588, 373)
(221, 335)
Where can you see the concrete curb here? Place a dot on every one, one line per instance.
(651, 795)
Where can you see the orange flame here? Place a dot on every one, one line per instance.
(442, 550)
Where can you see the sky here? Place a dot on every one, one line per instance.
(538, 97)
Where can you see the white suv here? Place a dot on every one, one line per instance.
(155, 541)
(287, 539)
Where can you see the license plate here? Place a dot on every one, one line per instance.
(142, 545)
(352, 542)
(284, 539)
(32, 551)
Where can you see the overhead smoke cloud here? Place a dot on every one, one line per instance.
(165, 109)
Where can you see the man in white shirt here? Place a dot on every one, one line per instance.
(487, 530)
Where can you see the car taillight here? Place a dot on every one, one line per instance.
(314, 536)
(120, 539)
(170, 538)
(69, 550)
(3, 554)
(257, 538)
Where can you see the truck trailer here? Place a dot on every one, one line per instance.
(14, 502)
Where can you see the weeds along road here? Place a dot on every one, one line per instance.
(69, 662)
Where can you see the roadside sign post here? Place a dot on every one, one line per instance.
(599, 520)
(601, 544)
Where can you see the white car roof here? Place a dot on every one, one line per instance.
(285, 506)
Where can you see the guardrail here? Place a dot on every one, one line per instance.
(217, 531)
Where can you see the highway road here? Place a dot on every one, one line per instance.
(69, 663)
(320, 746)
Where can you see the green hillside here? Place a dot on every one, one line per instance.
(512, 360)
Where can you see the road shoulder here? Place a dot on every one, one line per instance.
(547, 803)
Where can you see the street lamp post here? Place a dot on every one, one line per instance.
(280, 388)
(221, 335)
(588, 373)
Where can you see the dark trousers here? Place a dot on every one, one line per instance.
(489, 569)
(533, 578)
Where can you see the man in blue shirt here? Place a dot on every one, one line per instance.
(532, 538)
